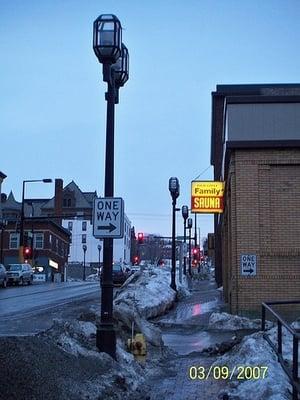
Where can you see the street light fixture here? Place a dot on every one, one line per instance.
(84, 248)
(113, 55)
(45, 180)
(190, 225)
(174, 189)
(185, 214)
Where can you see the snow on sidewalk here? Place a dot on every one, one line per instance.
(252, 358)
(145, 295)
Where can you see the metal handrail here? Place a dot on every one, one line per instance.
(292, 374)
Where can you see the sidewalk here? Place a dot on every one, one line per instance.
(184, 331)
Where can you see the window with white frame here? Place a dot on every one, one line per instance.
(70, 225)
(84, 225)
(39, 240)
(13, 240)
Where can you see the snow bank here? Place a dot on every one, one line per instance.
(149, 291)
(234, 322)
(146, 294)
(93, 277)
(255, 351)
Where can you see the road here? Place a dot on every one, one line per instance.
(31, 309)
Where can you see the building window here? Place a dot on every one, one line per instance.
(67, 202)
(50, 238)
(83, 238)
(84, 225)
(14, 241)
(39, 240)
(70, 225)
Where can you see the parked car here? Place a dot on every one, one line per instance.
(19, 273)
(119, 273)
(3, 277)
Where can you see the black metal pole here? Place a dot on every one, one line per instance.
(190, 251)
(106, 335)
(21, 256)
(173, 270)
(2, 233)
(195, 230)
(184, 239)
(84, 264)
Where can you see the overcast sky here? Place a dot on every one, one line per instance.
(52, 107)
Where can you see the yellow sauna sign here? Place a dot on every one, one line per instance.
(207, 197)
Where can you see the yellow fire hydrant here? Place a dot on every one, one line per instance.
(137, 346)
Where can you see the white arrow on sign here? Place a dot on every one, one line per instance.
(108, 220)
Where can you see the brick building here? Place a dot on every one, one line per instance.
(255, 149)
(48, 239)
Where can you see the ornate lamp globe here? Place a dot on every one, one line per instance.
(107, 38)
(121, 67)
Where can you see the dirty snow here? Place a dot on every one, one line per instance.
(234, 322)
(144, 295)
(255, 351)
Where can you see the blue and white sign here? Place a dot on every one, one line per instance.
(248, 264)
(108, 218)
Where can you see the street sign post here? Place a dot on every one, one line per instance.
(108, 218)
(248, 264)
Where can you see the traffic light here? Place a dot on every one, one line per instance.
(27, 252)
(140, 238)
(196, 255)
(136, 260)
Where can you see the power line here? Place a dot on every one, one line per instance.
(202, 172)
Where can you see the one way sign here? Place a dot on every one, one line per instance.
(108, 221)
(248, 264)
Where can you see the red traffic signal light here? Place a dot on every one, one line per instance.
(27, 253)
(140, 237)
(136, 260)
(196, 254)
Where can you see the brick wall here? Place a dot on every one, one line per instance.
(262, 217)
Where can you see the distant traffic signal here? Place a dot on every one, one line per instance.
(27, 253)
(136, 260)
(140, 238)
(196, 254)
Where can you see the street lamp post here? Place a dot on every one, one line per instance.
(113, 55)
(3, 222)
(190, 225)
(84, 248)
(185, 214)
(174, 189)
(21, 255)
(99, 251)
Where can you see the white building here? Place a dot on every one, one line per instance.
(75, 211)
(82, 234)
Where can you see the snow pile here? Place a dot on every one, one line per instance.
(234, 322)
(93, 277)
(148, 291)
(77, 338)
(254, 351)
(145, 295)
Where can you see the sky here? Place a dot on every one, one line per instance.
(52, 106)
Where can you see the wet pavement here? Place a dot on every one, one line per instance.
(29, 310)
(184, 330)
